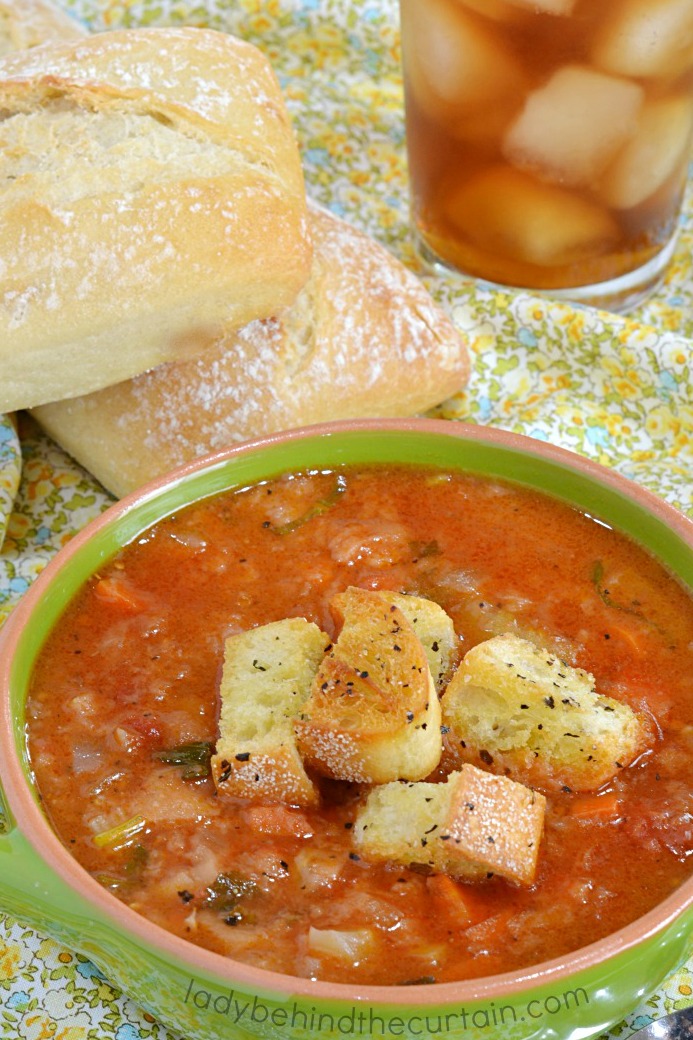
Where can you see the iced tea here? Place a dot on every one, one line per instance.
(549, 140)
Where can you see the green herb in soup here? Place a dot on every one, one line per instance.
(375, 725)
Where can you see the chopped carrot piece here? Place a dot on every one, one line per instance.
(607, 804)
(631, 634)
(275, 819)
(456, 899)
(118, 593)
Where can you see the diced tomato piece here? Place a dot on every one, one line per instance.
(146, 726)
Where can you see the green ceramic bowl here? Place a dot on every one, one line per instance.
(205, 996)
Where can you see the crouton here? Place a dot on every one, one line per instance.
(472, 825)
(373, 714)
(522, 711)
(434, 629)
(266, 678)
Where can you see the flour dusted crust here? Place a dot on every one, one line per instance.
(373, 714)
(470, 826)
(152, 195)
(266, 679)
(28, 23)
(364, 338)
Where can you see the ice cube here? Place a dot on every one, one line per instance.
(571, 128)
(649, 159)
(452, 61)
(547, 6)
(507, 212)
(496, 10)
(646, 38)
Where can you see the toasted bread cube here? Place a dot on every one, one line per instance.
(266, 678)
(433, 627)
(522, 711)
(373, 714)
(473, 825)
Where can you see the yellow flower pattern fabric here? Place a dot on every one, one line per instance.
(617, 389)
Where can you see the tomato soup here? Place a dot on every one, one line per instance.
(123, 715)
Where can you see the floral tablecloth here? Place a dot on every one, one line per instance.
(618, 389)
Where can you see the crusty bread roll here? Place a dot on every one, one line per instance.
(152, 192)
(364, 338)
(28, 23)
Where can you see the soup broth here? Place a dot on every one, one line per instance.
(123, 714)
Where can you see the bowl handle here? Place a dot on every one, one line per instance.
(30, 892)
(6, 819)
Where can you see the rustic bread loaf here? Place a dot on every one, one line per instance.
(152, 194)
(28, 23)
(364, 338)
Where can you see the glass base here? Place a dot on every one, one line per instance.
(618, 294)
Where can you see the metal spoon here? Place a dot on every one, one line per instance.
(677, 1026)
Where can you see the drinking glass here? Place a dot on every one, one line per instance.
(549, 140)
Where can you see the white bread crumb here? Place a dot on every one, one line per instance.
(472, 825)
(520, 710)
(266, 678)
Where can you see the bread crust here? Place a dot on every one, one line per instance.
(153, 195)
(266, 679)
(373, 714)
(470, 826)
(524, 712)
(435, 630)
(363, 338)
